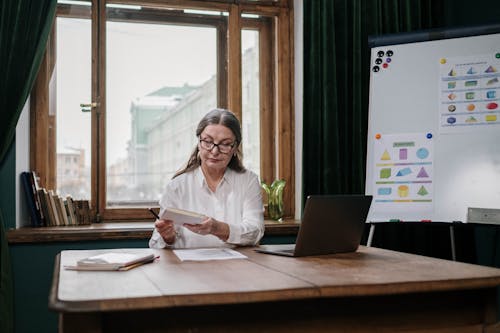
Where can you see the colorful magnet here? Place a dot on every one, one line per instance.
(452, 108)
(497, 55)
(471, 107)
(442, 61)
(451, 120)
(385, 65)
(388, 60)
(429, 135)
(378, 136)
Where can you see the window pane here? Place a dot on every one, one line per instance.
(73, 88)
(161, 79)
(250, 100)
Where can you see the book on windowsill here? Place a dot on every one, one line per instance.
(181, 216)
(112, 261)
(28, 182)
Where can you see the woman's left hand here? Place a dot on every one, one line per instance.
(210, 227)
(204, 228)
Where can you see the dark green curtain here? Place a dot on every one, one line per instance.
(336, 83)
(24, 29)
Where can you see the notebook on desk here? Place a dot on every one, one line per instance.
(330, 224)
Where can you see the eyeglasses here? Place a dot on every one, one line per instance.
(223, 147)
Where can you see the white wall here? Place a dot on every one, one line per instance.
(298, 81)
(22, 164)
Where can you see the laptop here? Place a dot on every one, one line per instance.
(330, 224)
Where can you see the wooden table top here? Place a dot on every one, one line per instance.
(168, 282)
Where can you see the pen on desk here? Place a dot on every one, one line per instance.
(154, 213)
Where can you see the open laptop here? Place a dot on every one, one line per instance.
(330, 224)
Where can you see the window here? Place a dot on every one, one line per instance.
(122, 88)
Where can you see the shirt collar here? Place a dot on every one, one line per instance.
(200, 178)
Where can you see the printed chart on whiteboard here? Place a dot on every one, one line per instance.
(403, 171)
(469, 92)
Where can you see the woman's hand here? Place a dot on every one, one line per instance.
(210, 227)
(166, 229)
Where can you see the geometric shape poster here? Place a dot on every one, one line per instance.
(403, 171)
(469, 92)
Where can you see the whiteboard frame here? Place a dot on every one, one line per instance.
(426, 47)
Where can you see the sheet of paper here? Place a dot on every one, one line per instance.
(403, 169)
(204, 254)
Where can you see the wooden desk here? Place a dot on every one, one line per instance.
(369, 290)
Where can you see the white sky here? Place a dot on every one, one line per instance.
(140, 58)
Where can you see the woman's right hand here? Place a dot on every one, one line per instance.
(166, 229)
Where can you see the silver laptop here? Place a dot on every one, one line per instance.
(330, 224)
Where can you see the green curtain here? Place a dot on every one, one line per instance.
(24, 29)
(336, 83)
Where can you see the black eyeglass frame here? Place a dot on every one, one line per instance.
(218, 145)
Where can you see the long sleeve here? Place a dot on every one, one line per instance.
(237, 201)
(250, 229)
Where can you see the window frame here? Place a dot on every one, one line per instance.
(276, 104)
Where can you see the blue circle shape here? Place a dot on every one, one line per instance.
(451, 120)
(422, 153)
(429, 135)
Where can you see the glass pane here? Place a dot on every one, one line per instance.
(161, 79)
(73, 88)
(251, 99)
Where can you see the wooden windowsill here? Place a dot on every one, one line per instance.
(116, 230)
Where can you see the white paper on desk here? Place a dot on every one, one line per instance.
(203, 254)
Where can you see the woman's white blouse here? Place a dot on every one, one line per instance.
(236, 201)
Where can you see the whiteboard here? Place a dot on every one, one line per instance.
(433, 147)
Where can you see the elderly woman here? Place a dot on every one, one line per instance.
(216, 184)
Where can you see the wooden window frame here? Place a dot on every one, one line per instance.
(277, 111)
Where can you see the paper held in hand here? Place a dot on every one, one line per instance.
(112, 261)
(181, 216)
